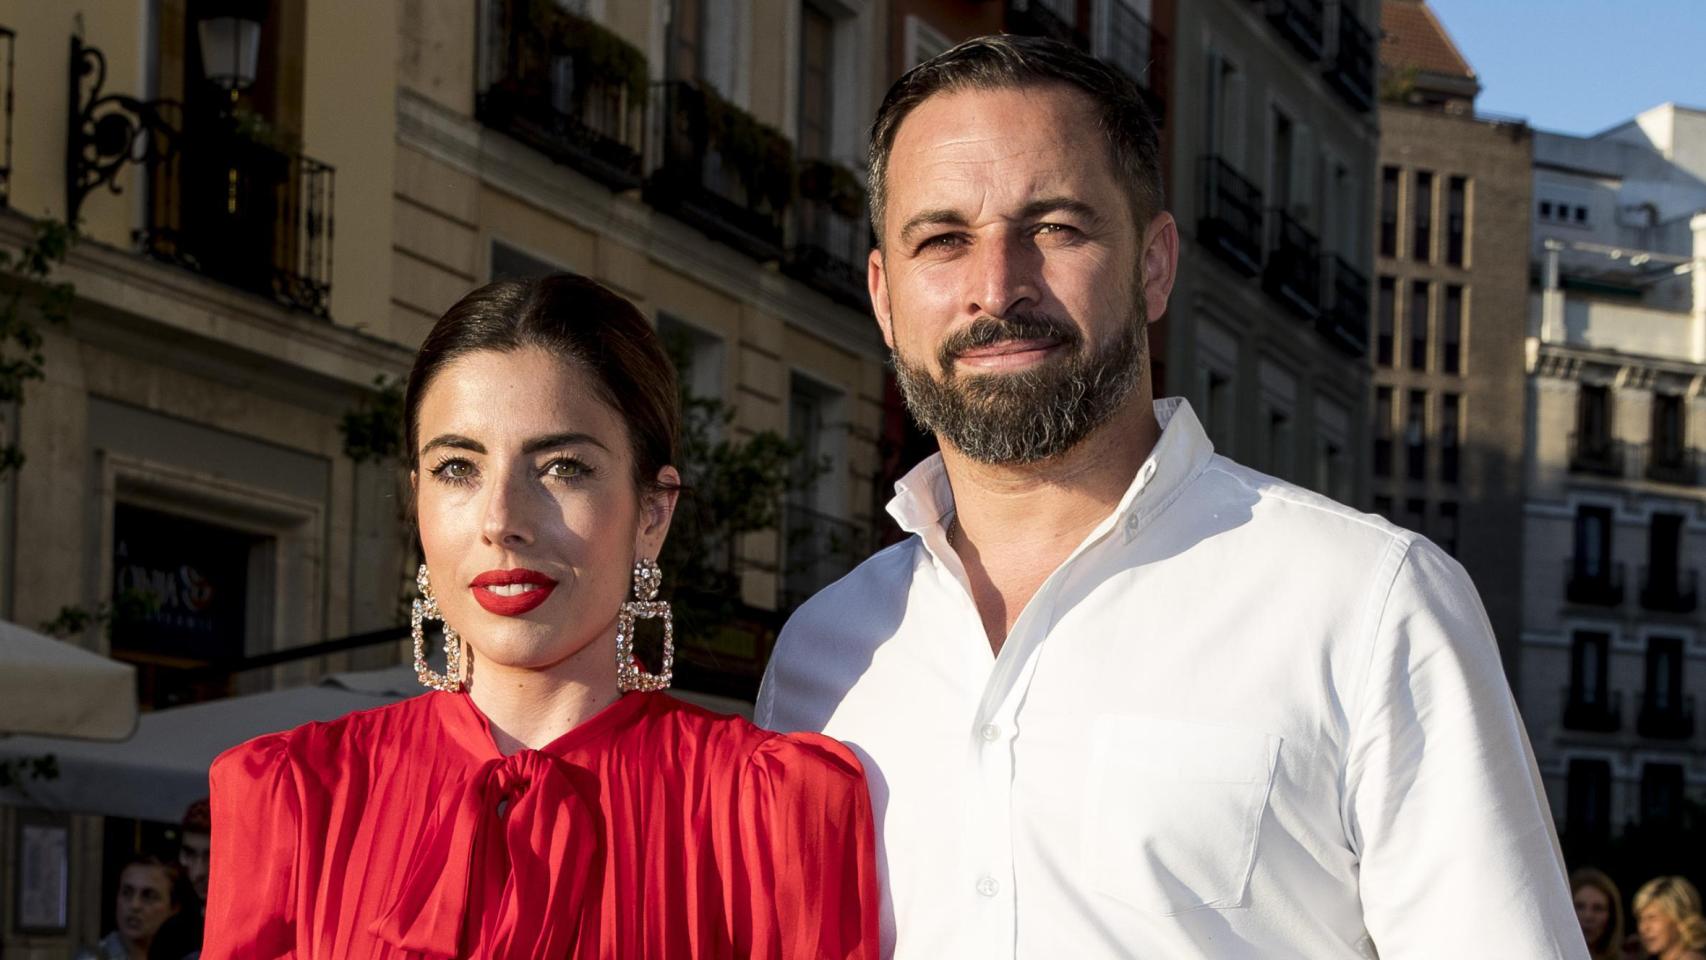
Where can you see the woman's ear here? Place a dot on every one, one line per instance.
(657, 509)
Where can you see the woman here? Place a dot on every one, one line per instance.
(1667, 917)
(546, 801)
(1599, 909)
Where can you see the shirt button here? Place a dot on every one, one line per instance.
(989, 732)
(989, 886)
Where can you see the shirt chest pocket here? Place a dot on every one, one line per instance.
(1174, 812)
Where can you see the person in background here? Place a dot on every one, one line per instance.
(1599, 909)
(147, 897)
(1667, 916)
(180, 938)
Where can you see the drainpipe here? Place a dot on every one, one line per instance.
(1697, 317)
(1552, 296)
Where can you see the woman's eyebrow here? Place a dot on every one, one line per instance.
(552, 440)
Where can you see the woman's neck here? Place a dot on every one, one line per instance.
(528, 708)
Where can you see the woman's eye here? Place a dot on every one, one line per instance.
(454, 470)
(566, 468)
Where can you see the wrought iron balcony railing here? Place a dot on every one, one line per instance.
(832, 233)
(567, 87)
(1671, 464)
(1231, 220)
(1672, 719)
(1302, 23)
(1603, 714)
(720, 169)
(817, 550)
(1293, 270)
(1351, 70)
(1138, 49)
(1599, 588)
(235, 205)
(1345, 321)
(1039, 18)
(1596, 454)
(1670, 590)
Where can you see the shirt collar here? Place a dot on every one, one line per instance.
(924, 499)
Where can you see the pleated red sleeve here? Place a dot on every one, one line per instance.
(251, 901)
(808, 847)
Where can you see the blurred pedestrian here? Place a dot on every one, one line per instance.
(180, 938)
(1667, 916)
(1599, 909)
(147, 897)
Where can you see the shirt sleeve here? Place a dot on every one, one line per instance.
(809, 851)
(1443, 802)
(251, 896)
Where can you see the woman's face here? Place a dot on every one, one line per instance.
(527, 507)
(1658, 931)
(1593, 912)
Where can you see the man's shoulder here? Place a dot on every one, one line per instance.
(881, 580)
(1295, 514)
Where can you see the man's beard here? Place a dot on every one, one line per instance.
(1036, 414)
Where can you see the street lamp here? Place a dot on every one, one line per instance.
(230, 51)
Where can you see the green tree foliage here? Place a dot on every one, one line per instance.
(29, 296)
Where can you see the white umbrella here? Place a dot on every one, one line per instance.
(51, 687)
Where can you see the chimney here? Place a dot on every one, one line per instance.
(1697, 317)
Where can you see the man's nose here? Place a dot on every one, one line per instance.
(1006, 275)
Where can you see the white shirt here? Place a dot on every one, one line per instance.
(1241, 720)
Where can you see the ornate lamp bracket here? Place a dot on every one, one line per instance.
(106, 131)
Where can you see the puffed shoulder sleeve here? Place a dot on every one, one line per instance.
(809, 849)
(257, 809)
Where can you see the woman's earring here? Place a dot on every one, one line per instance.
(423, 609)
(645, 606)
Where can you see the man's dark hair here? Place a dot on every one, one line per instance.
(198, 818)
(1003, 61)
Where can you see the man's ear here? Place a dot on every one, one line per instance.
(1160, 261)
(877, 281)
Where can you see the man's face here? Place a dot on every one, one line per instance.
(193, 855)
(144, 902)
(1011, 283)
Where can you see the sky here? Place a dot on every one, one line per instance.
(1580, 66)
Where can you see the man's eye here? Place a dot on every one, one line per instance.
(941, 242)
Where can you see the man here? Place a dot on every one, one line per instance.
(147, 896)
(180, 938)
(1118, 696)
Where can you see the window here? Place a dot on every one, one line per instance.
(1587, 817)
(1456, 220)
(817, 73)
(1279, 186)
(1593, 418)
(1383, 431)
(1216, 393)
(1389, 211)
(1447, 531)
(1661, 792)
(686, 39)
(922, 41)
(1593, 543)
(1419, 299)
(818, 544)
(1415, 436)
(1279, 443)
(1416, 515)
(1669, 429)
(1588, 653)
(1225, 115)
(1451, 331)
(510, 263)
(1450, 425)
(1423, 208)
(1383, 506)
(1545, 209)
(697, 355)
(1582, 215)
(1330, 470)
(1664, 674)
(1387, 322)
(1664, 549)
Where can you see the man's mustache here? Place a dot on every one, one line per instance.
(987, 331)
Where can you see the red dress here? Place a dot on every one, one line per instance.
(653, 829)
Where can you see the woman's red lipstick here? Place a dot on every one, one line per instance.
(534, 588)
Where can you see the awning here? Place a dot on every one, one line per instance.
(163, 768)
(58, 689)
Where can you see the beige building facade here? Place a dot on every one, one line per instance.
(240, 293)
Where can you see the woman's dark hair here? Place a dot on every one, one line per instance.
(580, 322)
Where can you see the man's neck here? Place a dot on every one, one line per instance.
(1015, 524)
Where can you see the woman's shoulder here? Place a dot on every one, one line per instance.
(755, 752)
(320, 743)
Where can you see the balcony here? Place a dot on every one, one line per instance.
(818, 550)
(1595, 454)
(1345, 321)
(1140, 52)
(832, 238)
(236, 203)
(1040, 18)
(1302, 23)
(1603, 588)
(1669, 721)
(1293, 270)
(720, 169)
(1231, 221)
(1351, 71)
(568, 88)
(1670, 591)
(1604, 715)
(1679, 466)
(9, 38)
